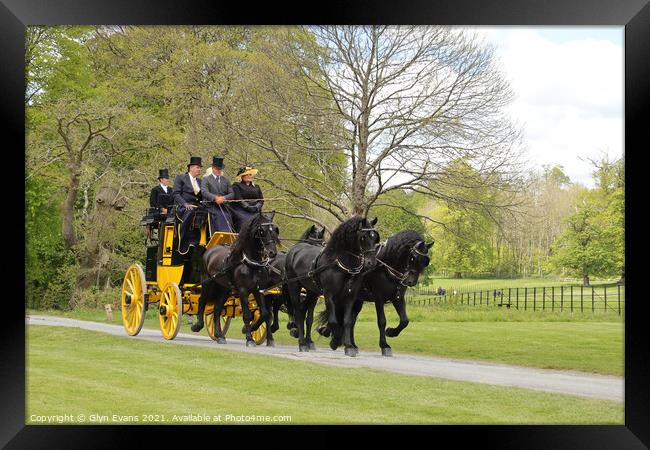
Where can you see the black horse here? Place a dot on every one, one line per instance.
(400, 261)
(333, 271)
(282, 301)
(244, 268)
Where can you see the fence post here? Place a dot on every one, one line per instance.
(552, 298)
(592, 300)
(509, 302)
(561, 298)
(605, 295)
(517, 296)
(525, 298)
(544, 298)
(571, 287)
(480, 297)
(582, 302)
(474, 298)
(534, 298)
(461, 298)
(619, 299)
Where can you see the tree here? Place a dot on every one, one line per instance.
(403, 102)
(585, 248)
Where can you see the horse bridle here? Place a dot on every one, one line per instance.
(401, 276)
(266, 261)
(357, 270)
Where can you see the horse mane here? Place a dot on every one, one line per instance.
(398, 246)
(245, 235)
(342, 238)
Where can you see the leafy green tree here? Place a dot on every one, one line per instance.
(587, 246)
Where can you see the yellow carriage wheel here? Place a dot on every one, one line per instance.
(258, 335)
(170, 311)
(133, 299)
(209, 324)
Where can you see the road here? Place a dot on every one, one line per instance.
(557, 381)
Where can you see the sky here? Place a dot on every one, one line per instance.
(569, 92)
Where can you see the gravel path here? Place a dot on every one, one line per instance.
(557, 381)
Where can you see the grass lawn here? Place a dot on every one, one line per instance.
(72, 371)
(541, 339)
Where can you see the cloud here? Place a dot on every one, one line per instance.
(569, 94)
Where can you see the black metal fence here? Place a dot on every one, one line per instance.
(595, 298)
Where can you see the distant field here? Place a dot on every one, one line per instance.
(525, 294)
(591, 343)
(87, 374)
(474, 284)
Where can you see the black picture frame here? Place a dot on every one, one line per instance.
(633, 14)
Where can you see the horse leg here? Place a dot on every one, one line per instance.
(247, 316)
(310, 302)
(400, 307)
(381, 324)
(299, 312)
(265, 317)
(348, 306)
(273, 305)
(207, 291)
(216, 317)
(337, 332)
(356, 309)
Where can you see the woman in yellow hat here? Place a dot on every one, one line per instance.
(250, 193)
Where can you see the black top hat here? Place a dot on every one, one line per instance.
(217, 161)
(195, 161)
(163, 173)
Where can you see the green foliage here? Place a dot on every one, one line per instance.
(46, 256)
(593, 243)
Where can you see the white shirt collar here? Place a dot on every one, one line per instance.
(164, 187)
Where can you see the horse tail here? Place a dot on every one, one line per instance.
(321, 318)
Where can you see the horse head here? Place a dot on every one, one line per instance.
(267, 233)
(368, 239)
(418, 260)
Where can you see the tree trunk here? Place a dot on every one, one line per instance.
(458, 275)
(585, 280)
(68, 209)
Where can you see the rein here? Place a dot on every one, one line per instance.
(399, 276)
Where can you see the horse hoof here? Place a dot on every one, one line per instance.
(221, 340)
(312, 346)
(334, 345)
(303, 348)
(351, 351)
(390, 332)
(387, 351)
(196, 327)
(270, 343)
(294, 332)
(251, 344)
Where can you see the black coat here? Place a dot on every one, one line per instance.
(184, 192)
(157, 201)
(245, 191)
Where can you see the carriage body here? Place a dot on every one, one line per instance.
(172, 280)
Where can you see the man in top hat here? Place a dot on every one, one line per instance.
(216, 188)
(156, 200)
(187, 195)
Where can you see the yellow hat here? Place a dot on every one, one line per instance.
(247, 170)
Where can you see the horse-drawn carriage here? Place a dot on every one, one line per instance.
(171, 280)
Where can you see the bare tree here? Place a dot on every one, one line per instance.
(400, 103)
